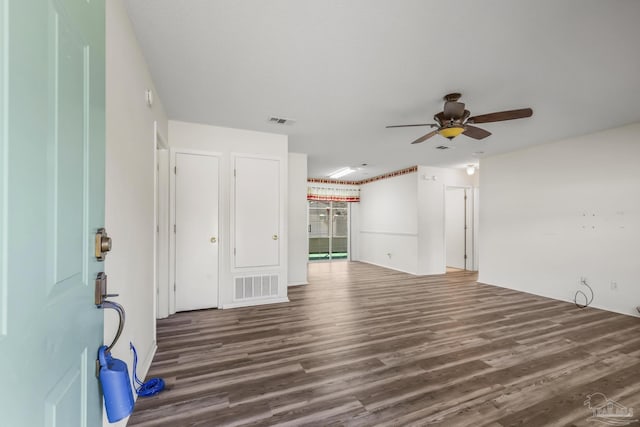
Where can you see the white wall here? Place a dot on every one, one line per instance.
(388, 234)
(557, 212)
(130, 188)
(354, 231)
(402, 219)
(226, 142)
(297, 227)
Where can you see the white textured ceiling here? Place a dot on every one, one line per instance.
(346, 69)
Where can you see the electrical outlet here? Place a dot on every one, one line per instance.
(614, 285)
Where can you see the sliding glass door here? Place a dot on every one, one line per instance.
(328, 230)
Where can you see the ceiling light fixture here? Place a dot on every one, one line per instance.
(471, 169)
(451, 131)
(341, 172)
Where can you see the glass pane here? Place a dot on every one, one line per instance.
(319, 222)
(340, 223)
(319, 204)
(318, 248)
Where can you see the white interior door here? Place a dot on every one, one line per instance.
(257, 212)
(196, 217)
(455, 227)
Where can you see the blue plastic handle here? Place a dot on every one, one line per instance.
(102, 357)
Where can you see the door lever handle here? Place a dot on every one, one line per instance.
(101, 294)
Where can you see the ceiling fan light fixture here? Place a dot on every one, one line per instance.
(451, 132)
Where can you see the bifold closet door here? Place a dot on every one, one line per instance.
(196, 230)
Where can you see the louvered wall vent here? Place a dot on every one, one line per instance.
(281, 120)
(251, 287)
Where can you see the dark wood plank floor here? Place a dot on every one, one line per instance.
(362, 346)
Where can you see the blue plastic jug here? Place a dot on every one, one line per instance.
(116, 386)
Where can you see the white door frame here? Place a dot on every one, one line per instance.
(161, 232)
(171, 289)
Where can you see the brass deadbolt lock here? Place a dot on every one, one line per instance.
(103, 244)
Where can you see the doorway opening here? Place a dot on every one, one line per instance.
(328, 230)
(459, 229)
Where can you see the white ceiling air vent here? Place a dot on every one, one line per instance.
(442, 147)
(281, 121)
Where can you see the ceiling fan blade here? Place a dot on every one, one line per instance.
(425, 137)
(502, 116)
(406, 126)
(475, 132)
(453, 110)
(440, 118)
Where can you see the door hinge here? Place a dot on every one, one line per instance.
(174, 286)
(234, 251)
(175, 170)
(234, 173)
(465, 256)
(174, 228)
(157, 228)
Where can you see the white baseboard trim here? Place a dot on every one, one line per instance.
(251, 303)
(143, 368)
(298, 283)
(390, 268)
(631, 312)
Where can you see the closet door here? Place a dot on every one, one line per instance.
(196, 231)
(257, 212)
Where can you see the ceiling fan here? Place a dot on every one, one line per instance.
(454, 120)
